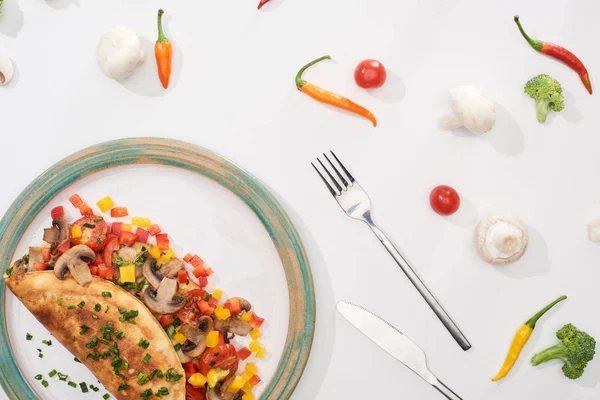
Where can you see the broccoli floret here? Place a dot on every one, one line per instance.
(576, 349)
(547, 94)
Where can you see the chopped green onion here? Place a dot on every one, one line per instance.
(122, 310)
(40, 355)
(52, 373)
(28, 336)
(45, 383)
(142, 378)
(80, 305)
(95, 356)
(146, 358)
(207, 297)
(72, 384)
(119, 334)
(144, 343)
(170, 331)
(93, 343)
(83, 387)
(94, 316)
(123, 387)
(94, 388)
(163, 391)
(62, 377)
(84, 329)
(129, 315)
(98, 219)
(97, 307)
(76, 359)
(59, 301)
(38, 377)
(106, 294)
(177, 347)
(71, 307)
(73, 338)
(47, 342)
(91, 226)
(106, 396)
(152, 374)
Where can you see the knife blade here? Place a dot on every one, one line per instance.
(394, 343)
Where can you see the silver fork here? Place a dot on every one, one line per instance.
(356, 203)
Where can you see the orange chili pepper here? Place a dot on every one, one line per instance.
(163, 53)
(328, 97)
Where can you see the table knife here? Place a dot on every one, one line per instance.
(394, 343)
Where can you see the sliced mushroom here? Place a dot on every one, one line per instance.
(127, 254)
(501, 239)
(220, 391)
(155, 276)
(163, 300)
(182, 357)
(72, 261)
(35, 255)
(195, 344)
(19, 266)
(58, 233)
(234, 325)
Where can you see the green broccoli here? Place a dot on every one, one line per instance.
(576, 349)
(547, 94)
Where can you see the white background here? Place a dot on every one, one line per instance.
(233, 92)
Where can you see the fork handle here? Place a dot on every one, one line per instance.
(418, 283)
(446, 391)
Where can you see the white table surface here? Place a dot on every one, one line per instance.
(233, 92)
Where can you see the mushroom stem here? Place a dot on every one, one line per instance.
(450, 122)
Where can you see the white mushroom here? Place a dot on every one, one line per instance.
(119, 53)
(594, 231)
(7, 70)
(472, 108)
(501, 239)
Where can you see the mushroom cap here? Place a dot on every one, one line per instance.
(72, 260)
(475, 110)
(594, 231)
(119, 53)
(501, 239)
(7, 70)
(163, 300)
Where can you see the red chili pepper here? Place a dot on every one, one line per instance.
(262, 3)
(560, 53)
(163, 52)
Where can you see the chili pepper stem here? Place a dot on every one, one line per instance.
(161, 34)
(533, 320)
(299, 80)
(536, 44)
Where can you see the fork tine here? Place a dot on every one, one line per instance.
(337, 185)
(342, 165)
(324, 180)
(336, 171)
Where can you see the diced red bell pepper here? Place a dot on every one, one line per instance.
(213, 302)
(256, 321)
(202, 281)
(255, 380)
(244, 353)
(111, 246)
(86, 210)
(209, 271)
(199, 271)
(162, 241)
(166, 320)
(127, 238)
(119, 212)
(57, 212)
(76, 200)
(94, 269)
(40, 266)
(182, 276)
(197, 261)
(142, 235)
(154, 230)
(105, 272)
(46, 253)
(187, 258)
(205, 308)
(115, 228)
(221, 338)
(190, 369)
(64, 246)
(233, 305)
(98, 260)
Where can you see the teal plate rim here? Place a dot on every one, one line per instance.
(193, 158)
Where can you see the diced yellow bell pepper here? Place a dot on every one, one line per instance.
(212, 339)
(251, 369)
(217, 293)
(126, 227)
(247, 388)
(248, 396)
(197, 380)
(246, 316)
(179, 338)
(222, 313)
(105, 204)
(237, 384)
(255, 334)
(213, 377)
(254, 346)
(127, 273)
(165, 258)
(247, 375)
(155, 252)
(76, 231)
(261, 352)
(141, 222)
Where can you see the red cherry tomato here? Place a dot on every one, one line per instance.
(444, 200)
(224, 356)
(190, 314)
(192, 393)
(370, 74)
(93, 232)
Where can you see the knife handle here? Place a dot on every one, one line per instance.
(445, 390)
(420, 286)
